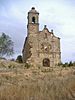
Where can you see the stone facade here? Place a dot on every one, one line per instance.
(41, 48)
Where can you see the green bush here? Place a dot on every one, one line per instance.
(9, 66)
(65, 65)
(70, 64)
(27, 65)
(19, 59)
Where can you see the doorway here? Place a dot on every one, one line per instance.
(46, 62)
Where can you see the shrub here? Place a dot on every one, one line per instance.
(60, 64)
(74, 63)
(27, 65)
(9, 66)
(19, 59)
(65, 65)
(70, 64)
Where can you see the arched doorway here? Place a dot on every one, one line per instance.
(46, 62)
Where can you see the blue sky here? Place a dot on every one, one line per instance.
(58, 15)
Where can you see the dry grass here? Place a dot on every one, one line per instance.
(20, 83)
(42, 89)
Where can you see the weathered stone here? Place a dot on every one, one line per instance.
(41, 47)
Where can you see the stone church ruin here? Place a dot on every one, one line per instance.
(40, 48)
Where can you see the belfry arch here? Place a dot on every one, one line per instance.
(33, 19)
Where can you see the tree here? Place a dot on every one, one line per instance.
(6, 45)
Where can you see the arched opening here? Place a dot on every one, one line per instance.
(46, 62)
(33, 19)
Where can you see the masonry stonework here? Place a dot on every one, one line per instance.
(41, 48)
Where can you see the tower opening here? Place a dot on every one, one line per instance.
(46, 62)
(33, 19)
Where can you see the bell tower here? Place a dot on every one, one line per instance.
(33, 21)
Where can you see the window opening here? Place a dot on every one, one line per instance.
(33, 19)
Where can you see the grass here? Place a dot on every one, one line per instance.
(46, 89)
(25, 83)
